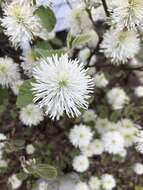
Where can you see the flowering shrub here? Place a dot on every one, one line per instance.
(71, 107)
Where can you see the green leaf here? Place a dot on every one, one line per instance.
(81, 39)
(25, 96)
(3, 95)
(48, 53)
(18, 142)
(138, 188)
(47, 17)
(22, 176)
(46, 171)
(70, 39)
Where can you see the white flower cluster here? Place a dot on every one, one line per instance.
(121, 42)
(115, 138)
(106, 182)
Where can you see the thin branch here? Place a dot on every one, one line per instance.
(105, 8)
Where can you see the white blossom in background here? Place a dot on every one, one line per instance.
(100, 80)
(89, 116)
(81, 186)
(30, 149)
(84, 54)
(2, 144)
(96, 147)
(62, 86)
(139, 142)
(139, 91)
(80, 135)
(113, 142)
(108, 182)
(120, 46)
(80, 163)
(98, 14)
(94, 183)
(28, 62)
(79, 21)
(20, 23)
(102, 125)
(14, 181)
(31, 115)
(128, 14)
(43, 185)
(128, 130)
(117, 98)
(9, 72)
(16, 86)
(94, 39)
(138, 168)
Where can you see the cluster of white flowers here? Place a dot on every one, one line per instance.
(117, 98)
(106, 182)
(14, 181)
(121, 42)
(114, 138)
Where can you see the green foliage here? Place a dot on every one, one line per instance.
(47, 53)
(47, 17)
(44, 171)
(138, 188)
(25, 96)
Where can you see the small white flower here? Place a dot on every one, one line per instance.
(43, 185)
(123, 153)
(108, 182)
(120, 46)
(128, 14)
(113, 142)
(94, 39)
(89, 116)
(98, 147)
(16, 86)
(80, 163)
(117, 98)
(9, 72)
(14, 181)
(79, 21)
(82, 186)
(80, 135)
(128, 130)
(84, 54)
(30, 149)
(2, 137)
(20, 23)
(3, 164)
(100, 80)
(102, 125)
(28, 62)
(139, 142)
(62, 86)
(139, 91)
(95, 183)
(31, 115)
(138, 168)
(94, 148)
